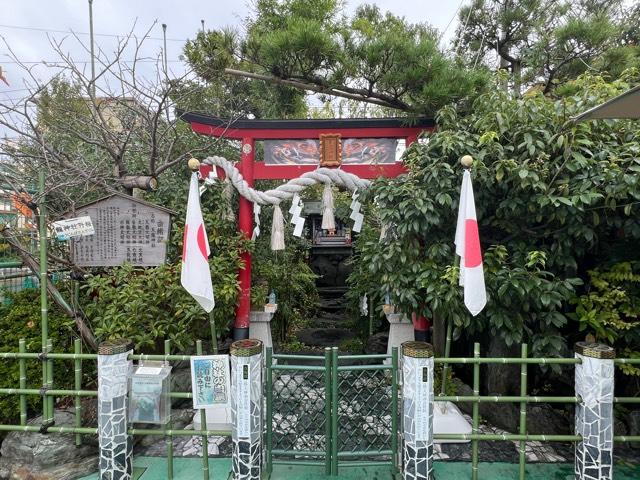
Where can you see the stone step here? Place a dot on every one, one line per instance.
(337, 315)
(332, 292)
(332, 303)
(327, 324)
(332, 313)
(324, 337)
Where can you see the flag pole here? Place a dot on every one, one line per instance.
(194, 166)
(466, 161)
(214, 336)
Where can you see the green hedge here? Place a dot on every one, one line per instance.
(20, 318)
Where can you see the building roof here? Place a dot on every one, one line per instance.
(277, 124)
(626, 105)
(126, 197)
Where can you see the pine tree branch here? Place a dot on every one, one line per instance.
(345, 92)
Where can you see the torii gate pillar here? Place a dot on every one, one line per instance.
(245, 224)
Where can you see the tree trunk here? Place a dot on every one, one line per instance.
(439, 334)
(516, 68)
(504, 64)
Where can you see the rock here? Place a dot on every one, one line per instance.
(322, 337)
(180, 418)
(633, 420)
(36, 456)
(377, 343)
(541, 418)
(224, 347)
(463, 390)
(332, 268)
(181, 382)
(619, 427)
(505, 416)
(502, 379)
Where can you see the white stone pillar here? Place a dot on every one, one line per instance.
(260, 327)
(400, 330)
(417, 410)
(246, 409)
(116, 445)
(594, 413)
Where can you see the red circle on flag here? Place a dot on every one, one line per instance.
(202, 241)
(472, 253)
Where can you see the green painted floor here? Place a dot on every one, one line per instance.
(155, 468)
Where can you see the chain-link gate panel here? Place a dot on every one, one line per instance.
(325, 413)
(298, 411)
(299, 417)
(365, 414)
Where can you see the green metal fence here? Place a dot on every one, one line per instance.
(330, 432)
(523, 400)
(14, 276)
(329, 411)
(48, 394)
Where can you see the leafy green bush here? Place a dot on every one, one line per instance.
(284, 272)
(149, 305)
(354, 346)
(20, 318)
(610, 308)
(554, 199)
(450, 387)
(293, 346)
(291, 278)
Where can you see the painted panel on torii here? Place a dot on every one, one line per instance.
(361, 146)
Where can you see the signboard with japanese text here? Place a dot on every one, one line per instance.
(210, 381)
(243, 406)
(127, 230)
(73, 227)
(421, 405)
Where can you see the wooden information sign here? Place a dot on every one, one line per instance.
(127, 230)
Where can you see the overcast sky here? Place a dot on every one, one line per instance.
(26, 26)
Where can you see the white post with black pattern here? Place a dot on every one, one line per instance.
(417, 410)
(594, 414)
(246, 409)
(116, 445)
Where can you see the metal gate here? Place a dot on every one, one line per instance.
(331, 411)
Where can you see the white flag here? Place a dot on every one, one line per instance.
(468, 248)
(196, 276)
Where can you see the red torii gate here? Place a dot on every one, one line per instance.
(248, 131)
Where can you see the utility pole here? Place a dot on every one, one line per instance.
(166, 67)
(164, 51)
(202, 23)
(93, 61)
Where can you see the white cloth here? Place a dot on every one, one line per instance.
(196, 276)
(468, 248)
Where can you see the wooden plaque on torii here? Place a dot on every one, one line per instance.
(330, 150)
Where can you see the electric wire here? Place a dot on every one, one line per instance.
(451, 20)
(112, 35)
(53, 62)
